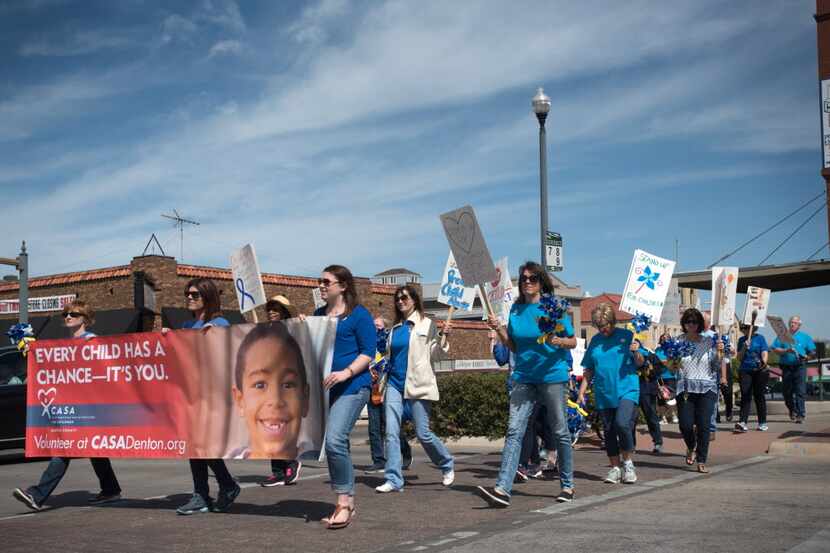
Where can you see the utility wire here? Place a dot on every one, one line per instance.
(815, 253)
(742, 246)
(787, 239)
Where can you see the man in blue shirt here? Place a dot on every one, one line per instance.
(793, 369)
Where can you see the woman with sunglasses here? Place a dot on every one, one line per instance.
(413, 344)
(77, 317)
(349, 382)
(698, 375)
(611, 362)
(540, 376)
(202, 300)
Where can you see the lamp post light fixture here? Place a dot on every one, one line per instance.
(541, 107)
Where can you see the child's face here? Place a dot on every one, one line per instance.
(273, 400)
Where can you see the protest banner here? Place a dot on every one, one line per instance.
(469, 249)
(182, 394)
(781, 329)
(757, 303)
(247, 280)
(647, 285)
(724, 293)
(500, 292)
(671, 305)
(453, 292)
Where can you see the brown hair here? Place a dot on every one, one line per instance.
(416, 299)
(692, 315)
(79, 306)
(210, 296)
(545, 283)
(345, 278)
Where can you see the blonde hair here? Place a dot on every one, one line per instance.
(603, 314)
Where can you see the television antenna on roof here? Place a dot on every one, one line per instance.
(179, 223)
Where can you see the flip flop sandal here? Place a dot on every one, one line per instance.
(338, 525)
(690, 457)
(701, 468)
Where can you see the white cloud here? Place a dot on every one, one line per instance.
(77, 44)
(224, 13)
(177, 28)
(310, 28)
(225, 47)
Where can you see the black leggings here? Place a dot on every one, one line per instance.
(754, 383)
(199, 469)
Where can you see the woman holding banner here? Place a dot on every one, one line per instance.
(413, 345)
(349, 382)
(754, 374)
(77, 317)
(540, 376)
(202, 300)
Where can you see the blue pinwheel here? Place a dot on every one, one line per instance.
(648, 278)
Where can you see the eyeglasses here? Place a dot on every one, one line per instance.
(193, 295)
(72, 314)
(403, 297)
(532, 279)
(325, 283)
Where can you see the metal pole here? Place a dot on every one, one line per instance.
(23, 297)
(543, 183)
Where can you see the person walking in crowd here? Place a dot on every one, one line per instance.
(202, 300)
(668, 379)
(540, 376)
(348, 383)
(77, 318)
(283, 472)
(698, 375)
(611, 362)
(414, 343)
(649, 376)
(753, 353)
(793, 370)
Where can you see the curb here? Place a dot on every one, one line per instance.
(791, 447)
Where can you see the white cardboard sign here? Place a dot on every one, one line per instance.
(453, 292)
(647, 285)
(781, 329)
(468, 246)
(724, 292)
(757, 301)
(247, 281)
(317, 296)
(671, 305)
(500, 292)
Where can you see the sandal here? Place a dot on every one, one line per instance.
(690, 457)
(338, 525)
(701, 468)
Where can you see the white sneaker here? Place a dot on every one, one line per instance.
(614, 475)
(387, 487)
(448, 479)
(675, 420)
(629, 475)
(763, 428)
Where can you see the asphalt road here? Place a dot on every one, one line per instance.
(750, 502)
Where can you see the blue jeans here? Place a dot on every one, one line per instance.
(619, 428)
(343, 415)
(376, 433)
(435, 449)
(648, 404)
(794, 381)
(522, 399)
(695, 412)
(713, 421)
(57, 468)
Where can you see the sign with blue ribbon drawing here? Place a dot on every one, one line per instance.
(246, 278)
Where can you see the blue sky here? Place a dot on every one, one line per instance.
(336, 132)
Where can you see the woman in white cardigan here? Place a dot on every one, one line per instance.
(412, 345)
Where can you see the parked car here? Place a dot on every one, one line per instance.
(12, 398)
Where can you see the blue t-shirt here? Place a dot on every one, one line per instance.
(199, 323)
(537, 363)
(752, 357)
(356, 335)
(615, 373)
(399, 355)
(659, 359)
(803, 346)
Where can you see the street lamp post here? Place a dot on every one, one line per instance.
(541, 107)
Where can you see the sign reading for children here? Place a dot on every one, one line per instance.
(757, 303)
(647, 285)
(246, 278)
(453, 292)
(468, 246)
(724, 291)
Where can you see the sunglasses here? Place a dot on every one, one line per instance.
(325, 283)
(403, 297)
(532, 279)
(193, 295)
(72, 314)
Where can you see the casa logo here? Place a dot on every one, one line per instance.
(47, 398)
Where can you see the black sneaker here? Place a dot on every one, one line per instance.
(292, 473)
(273, 480)
(407, 462)
(102, 498)
(375, 468)
(197, 504)
(565, 496)
(225, 498)
(495, 496)
(27, 499)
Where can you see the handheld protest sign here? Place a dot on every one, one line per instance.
(724, 292)
(468, 246)
(757, 303)
(500, 292)
(454, 292)
(246, 279)
(781, 330)
(647, 285)
(671, 305)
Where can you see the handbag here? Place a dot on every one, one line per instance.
(379, 389)
(663, 391)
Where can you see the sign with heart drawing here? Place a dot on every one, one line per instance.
(468, 246)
